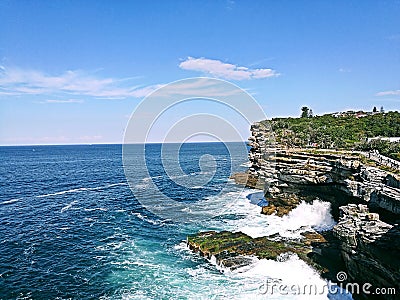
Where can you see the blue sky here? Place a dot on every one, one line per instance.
(73, 71)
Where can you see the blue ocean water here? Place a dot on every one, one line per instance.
(71, 228)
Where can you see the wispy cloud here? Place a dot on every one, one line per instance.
(198, 87)
(15, 81)
(230, 4)
(261, 61)
(63, 101)
(393, 37)
(389, 93)
(223, 70)
(344, 70)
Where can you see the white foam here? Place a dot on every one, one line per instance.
(136, 263)
(178, 176)
(256, 280)
(151, 178)
(292, 272)
(146, 219)
(141, 186)
(305, 217)
(246, 164)
(10, 201)
(62, 192)
(196, 272)
(68, 206)
(202, 173)
(110, 246)
(181, 246)
(97, 208)
(113, 184)
(287, 277)
(82, 189)
(248, 219)
(233, 211)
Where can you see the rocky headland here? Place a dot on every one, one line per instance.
(290, 175)
(363, 189)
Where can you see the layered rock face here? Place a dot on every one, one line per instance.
(353, 184)
(291, 175)
(369, 247)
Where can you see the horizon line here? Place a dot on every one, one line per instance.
(95, 144)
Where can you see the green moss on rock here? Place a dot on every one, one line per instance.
(224, 245)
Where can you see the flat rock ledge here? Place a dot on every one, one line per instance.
(233, 250)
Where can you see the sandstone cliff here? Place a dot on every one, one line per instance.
(369, 247)
(355, 183)
(341, 177)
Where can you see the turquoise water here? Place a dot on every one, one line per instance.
(71, 228)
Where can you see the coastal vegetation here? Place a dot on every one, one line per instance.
(350, 130)
(387, 148)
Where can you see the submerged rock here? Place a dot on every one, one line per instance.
(236, 262)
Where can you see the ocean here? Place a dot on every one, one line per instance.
(71, 227)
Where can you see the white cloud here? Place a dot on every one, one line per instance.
(14, 81)
(220, 69)
(389, 93)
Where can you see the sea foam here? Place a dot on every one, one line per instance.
(10, 201)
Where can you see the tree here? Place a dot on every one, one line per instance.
(374, 110)
(305, 112)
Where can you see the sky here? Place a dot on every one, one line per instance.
(73, 72)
